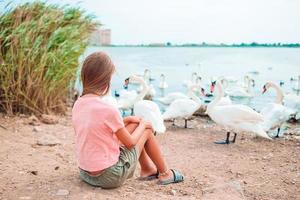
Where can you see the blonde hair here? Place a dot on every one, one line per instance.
(96, 74)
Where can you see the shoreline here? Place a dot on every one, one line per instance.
(139, 46)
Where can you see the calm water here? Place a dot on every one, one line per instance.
(274, 64)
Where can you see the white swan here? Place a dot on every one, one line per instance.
(224, 101)
(292, 101)
(240, 90)
(297, 85)
(146, 76)
(109, 99)
(170, 97)
(151, 92)
(163, 84)
(275, 114)
(188, 83)
(236, 117)
(127, 99)
(184, 108)
(231, 79)
(148, 110)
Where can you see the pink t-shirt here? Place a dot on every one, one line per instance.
(95, 124)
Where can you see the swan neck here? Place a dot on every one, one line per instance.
(162, 80)
(248, 84)
(144, 90)
(192, 95)
(224, 83)
(279, 92)
(219, 95)
(194, 76)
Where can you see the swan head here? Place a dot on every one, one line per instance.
(253, 82)
(134, 78)
(212, 86)
(267, 86)
(194, 76)
(203, 91)
(198, 79)
(126, 82)
(147, 74)
(196, 88)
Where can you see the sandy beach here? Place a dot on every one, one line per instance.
(38, 162)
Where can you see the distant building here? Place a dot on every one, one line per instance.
(100, 37)
(105, 37)
(95, 38)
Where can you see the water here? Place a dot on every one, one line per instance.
(273, 64)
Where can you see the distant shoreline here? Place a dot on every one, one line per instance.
(137, 46)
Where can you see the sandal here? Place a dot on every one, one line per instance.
(149, 178)
(177, 177)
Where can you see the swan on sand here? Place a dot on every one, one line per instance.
(184, 108)
(235, 117)
(147, 110)
(275, 114)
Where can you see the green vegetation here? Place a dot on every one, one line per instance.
(39, 49)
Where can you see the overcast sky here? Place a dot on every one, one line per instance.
(187, 21)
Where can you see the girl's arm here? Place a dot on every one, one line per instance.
(131, 119)
(130, 140)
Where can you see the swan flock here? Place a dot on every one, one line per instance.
(215, 97)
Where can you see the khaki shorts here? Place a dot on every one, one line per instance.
(115, 175)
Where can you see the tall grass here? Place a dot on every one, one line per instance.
(39, 49)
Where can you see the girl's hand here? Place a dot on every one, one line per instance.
(132, 119)
(146, 124)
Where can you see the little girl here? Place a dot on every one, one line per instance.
(107, 146)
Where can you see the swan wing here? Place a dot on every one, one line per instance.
(292, 101)
(111, 101)
(224, 101)
(149, 111)
(181, 108)
(126, 99)
(238, 114)
(240, 118)
(169, 98)
(275, 115)
(237, 92)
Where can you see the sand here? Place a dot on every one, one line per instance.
(252, 168)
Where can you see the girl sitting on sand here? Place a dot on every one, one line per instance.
(107, 146)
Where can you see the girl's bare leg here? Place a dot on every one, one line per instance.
(147, 166)
(148, 143)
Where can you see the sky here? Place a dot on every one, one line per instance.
(195, 21)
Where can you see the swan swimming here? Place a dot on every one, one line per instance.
(240, 90)
(188, 83)
(236, 117)
(297, 85)
(163, 84)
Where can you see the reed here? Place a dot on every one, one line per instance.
(39, 49)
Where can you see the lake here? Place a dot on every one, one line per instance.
(178, 63)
